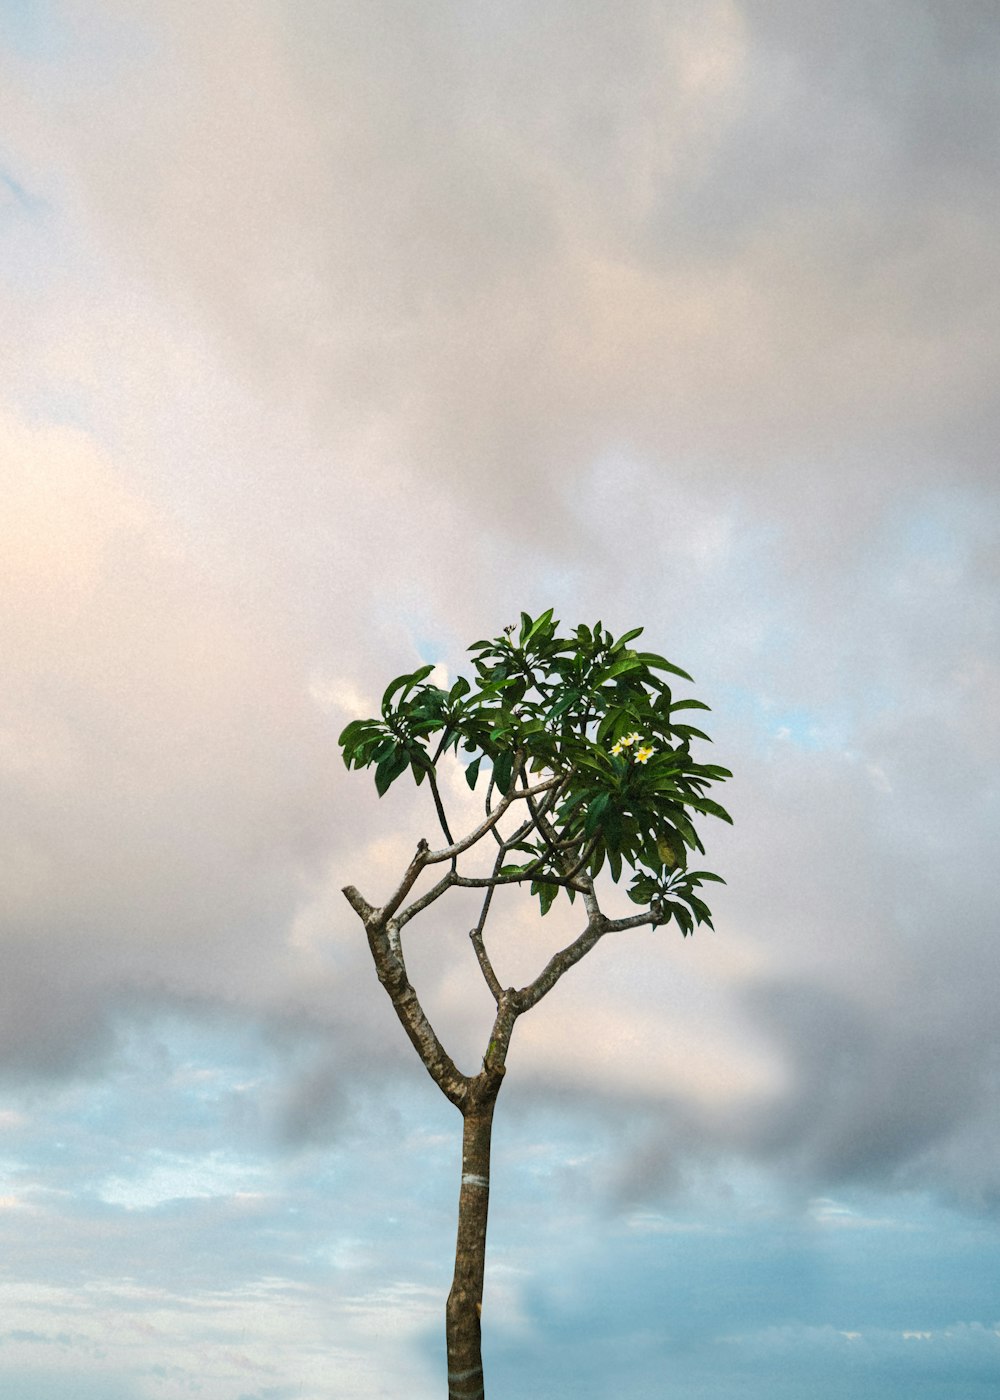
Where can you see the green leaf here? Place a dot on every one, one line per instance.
(681, 916)
(688, 731)
(566, 702)
(389, 769)
(626, 638)
(419, 758)
(502, 770)
(606, 725)
(472, 771)
(701, 910)
(546, 894)
(350, 732)
(622, 667)
(405, 683)
(595, 811)
(666, 851)
(601, 764)
(642, 889)
(391, 689)
(539, 625)
(713, 773)
(660, 663)
(709, 808)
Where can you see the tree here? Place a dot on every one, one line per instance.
(590, 773)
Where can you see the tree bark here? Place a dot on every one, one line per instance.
(465, 1301)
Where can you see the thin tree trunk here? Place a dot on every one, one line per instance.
(465, 1301)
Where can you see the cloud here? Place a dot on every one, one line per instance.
(481, 250)
(164, 769)
(337, 334)
(393, 322)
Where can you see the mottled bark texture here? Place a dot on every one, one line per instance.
(465, 1301)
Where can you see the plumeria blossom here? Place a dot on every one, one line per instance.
(626, 742)
(645, 753)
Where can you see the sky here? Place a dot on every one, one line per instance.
(333, 335)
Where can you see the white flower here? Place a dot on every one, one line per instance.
(644, 754)
(627, 741)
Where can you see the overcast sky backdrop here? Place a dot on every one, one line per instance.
(332, 334)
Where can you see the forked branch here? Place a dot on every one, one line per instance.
(597, 926)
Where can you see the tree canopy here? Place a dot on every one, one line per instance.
(583, 727)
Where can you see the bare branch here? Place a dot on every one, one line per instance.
(597, 927)
(556, 847)
(486, 967)
(508, 1009)
(532, 871)
(486, 805)
(544, 827)
(383, 940)
(358, 902)
(538, 814)
(408, 881)
(650, 916)
(439, 805)
(422, 903)
(445, 736)
(590, 899)
(424, 856)
(569, 876)
(456, 849)
(561, 962)
(476, 934)
(525, 829)
(436, 1060)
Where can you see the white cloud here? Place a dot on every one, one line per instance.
(169, 1177)
(338, 336)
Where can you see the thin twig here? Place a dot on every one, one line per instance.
(476, 935)
(529, 872)
(456, 849)
(432, 780)
(410, 877)
(426, 899)
(486, 967)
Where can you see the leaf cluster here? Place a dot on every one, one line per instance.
(587, 710)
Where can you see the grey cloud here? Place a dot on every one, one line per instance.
(869, 1095)
(657, 318)
(54, 1021)
(313, 1106)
